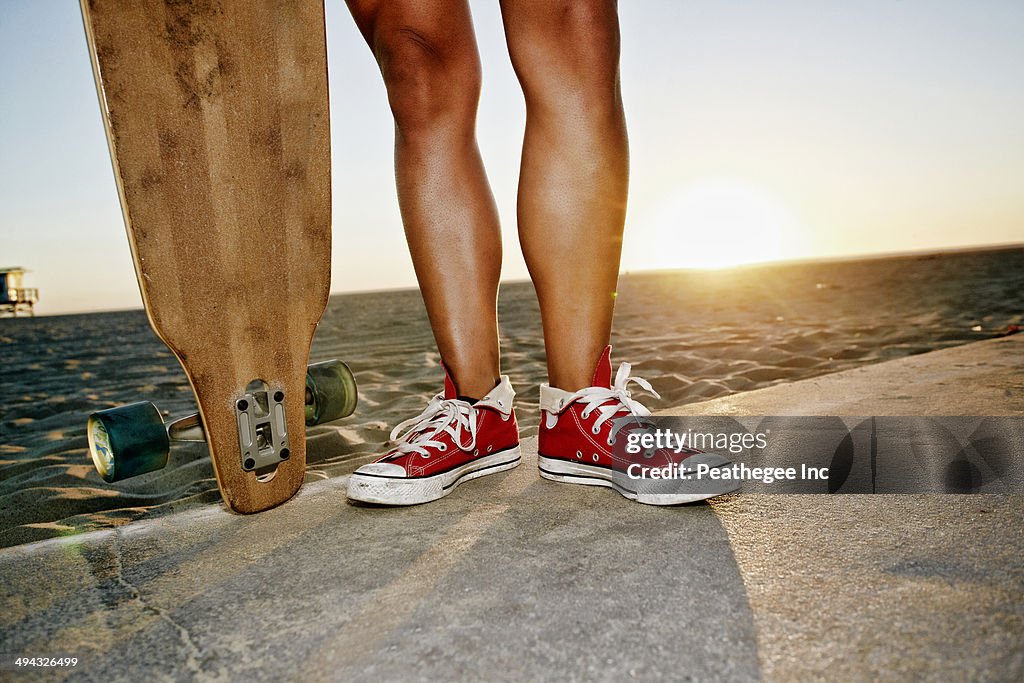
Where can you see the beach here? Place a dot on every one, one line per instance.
(696, 335)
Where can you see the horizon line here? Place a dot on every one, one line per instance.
(862, 256)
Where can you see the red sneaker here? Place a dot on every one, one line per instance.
(577, 439)
(450, 442)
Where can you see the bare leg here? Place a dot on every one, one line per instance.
(573, 183)
(427, 54)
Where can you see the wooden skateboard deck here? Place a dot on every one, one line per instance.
(217, 119)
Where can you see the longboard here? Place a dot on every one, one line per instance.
(217, 118)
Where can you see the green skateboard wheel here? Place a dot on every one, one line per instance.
(128, 441)
(331, 392)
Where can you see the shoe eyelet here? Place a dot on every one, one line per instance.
(596, 430)
(501, 404)
(585, 413)
(561, 403)
(443, 447)
(476, 452)
(490, 448)
(595, 457)
(425, 456)
(579, 454)
(611, 441)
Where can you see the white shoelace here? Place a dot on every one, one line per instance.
(440, 416)
(609, 402)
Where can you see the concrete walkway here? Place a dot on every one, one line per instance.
(513, 577)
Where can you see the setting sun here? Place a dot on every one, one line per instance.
(717, 223)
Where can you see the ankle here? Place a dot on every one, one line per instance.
(579, 370)
(473, 388)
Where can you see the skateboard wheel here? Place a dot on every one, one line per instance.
(331, 392)
(128, 441)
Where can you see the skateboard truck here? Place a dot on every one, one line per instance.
(262, 429)
(130, 440)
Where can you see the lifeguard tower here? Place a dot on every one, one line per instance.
(13, 297)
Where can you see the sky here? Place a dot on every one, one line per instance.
(758, 131)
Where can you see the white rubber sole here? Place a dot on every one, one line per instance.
(384, 490)
(569, 472)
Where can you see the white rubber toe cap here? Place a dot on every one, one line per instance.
(382, 469)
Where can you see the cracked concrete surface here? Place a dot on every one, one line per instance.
(191, 661)
(512, 577)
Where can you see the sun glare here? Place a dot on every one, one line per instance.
(717, 223)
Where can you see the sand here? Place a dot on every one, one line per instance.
(696, 335)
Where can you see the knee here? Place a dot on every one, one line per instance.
(570, 58)
(430, 84)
